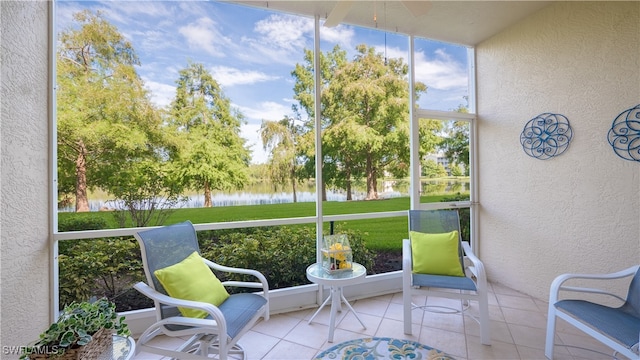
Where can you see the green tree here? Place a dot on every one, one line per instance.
(304, 90)
(280, 139)
(210, 155)
(104, 114)
(368, 103)
(431, 169)
(429, 134)
(456, 144)
(344, 166)
(365, 115)
(456, 170)
(146, 192)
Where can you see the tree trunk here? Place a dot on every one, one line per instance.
(207, 194)
(375, 181)
(372, 192)
(324, 189)
(348, 184)
(82, 201)
(293, 185)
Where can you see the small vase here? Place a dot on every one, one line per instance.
(336, 254)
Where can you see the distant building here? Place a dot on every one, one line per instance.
(440, 159)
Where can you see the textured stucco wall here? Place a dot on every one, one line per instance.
(24, 219)
(579, 212)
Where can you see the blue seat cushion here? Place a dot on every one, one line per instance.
(237, 310)
(614, 322)
(440, 281)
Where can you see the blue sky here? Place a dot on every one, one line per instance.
(252, 52)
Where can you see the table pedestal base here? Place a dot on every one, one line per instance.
(337, 298)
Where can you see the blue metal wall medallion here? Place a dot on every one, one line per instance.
(546, 135)
(624, 135)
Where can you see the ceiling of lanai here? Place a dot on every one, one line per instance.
(458, 22)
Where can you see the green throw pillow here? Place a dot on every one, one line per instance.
(436, 254)
(192, 279)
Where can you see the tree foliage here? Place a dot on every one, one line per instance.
(146, 193)
(210, 154)
(104, 113)
(282, 140)
(431, 169)
(104, 267)
(304, 89)
(365, 115)
(456, 143)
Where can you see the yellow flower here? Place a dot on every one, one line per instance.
(339, 252)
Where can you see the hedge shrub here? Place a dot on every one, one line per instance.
(105, 267)
(108, 267)
(282, 254)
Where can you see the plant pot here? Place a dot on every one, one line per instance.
(100, 342)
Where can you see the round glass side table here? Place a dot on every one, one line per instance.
(124, 348)
(336, 281)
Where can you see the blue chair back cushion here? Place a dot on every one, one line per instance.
(437, 222)
(614, 322)
(632, 305)
(166, 246)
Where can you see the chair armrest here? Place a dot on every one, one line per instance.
(557, 284)
(406, 255)
(194, 322)
(159, 297)
(407, 266)
(263, 280)
(478, 267)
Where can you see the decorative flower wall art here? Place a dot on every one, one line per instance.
(546, 135)
(624, 135)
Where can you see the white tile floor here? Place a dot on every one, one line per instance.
(518, 324)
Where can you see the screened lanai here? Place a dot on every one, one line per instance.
(534, 219)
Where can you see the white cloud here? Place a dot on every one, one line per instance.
(250, 132)
(279, 39)
(228, 76)
(203, 35)
(341, 34)
(392, 52)
(127, 11)
(152, 40)
(161, 94)
(441, 72)
(284, 31)
(266, 110)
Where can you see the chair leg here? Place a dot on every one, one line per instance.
(551, 332)
(406, 288)
(485, 326)
(406, 300)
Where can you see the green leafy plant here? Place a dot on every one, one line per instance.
(75, 327)
(281, 253)
(104, 267)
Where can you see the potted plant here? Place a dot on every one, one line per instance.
(83, 331)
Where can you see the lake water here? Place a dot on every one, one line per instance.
(261, 194)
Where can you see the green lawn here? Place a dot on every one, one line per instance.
(381, 234)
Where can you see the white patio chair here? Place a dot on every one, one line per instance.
(469, 281)
(616, 327)
(214, 329)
